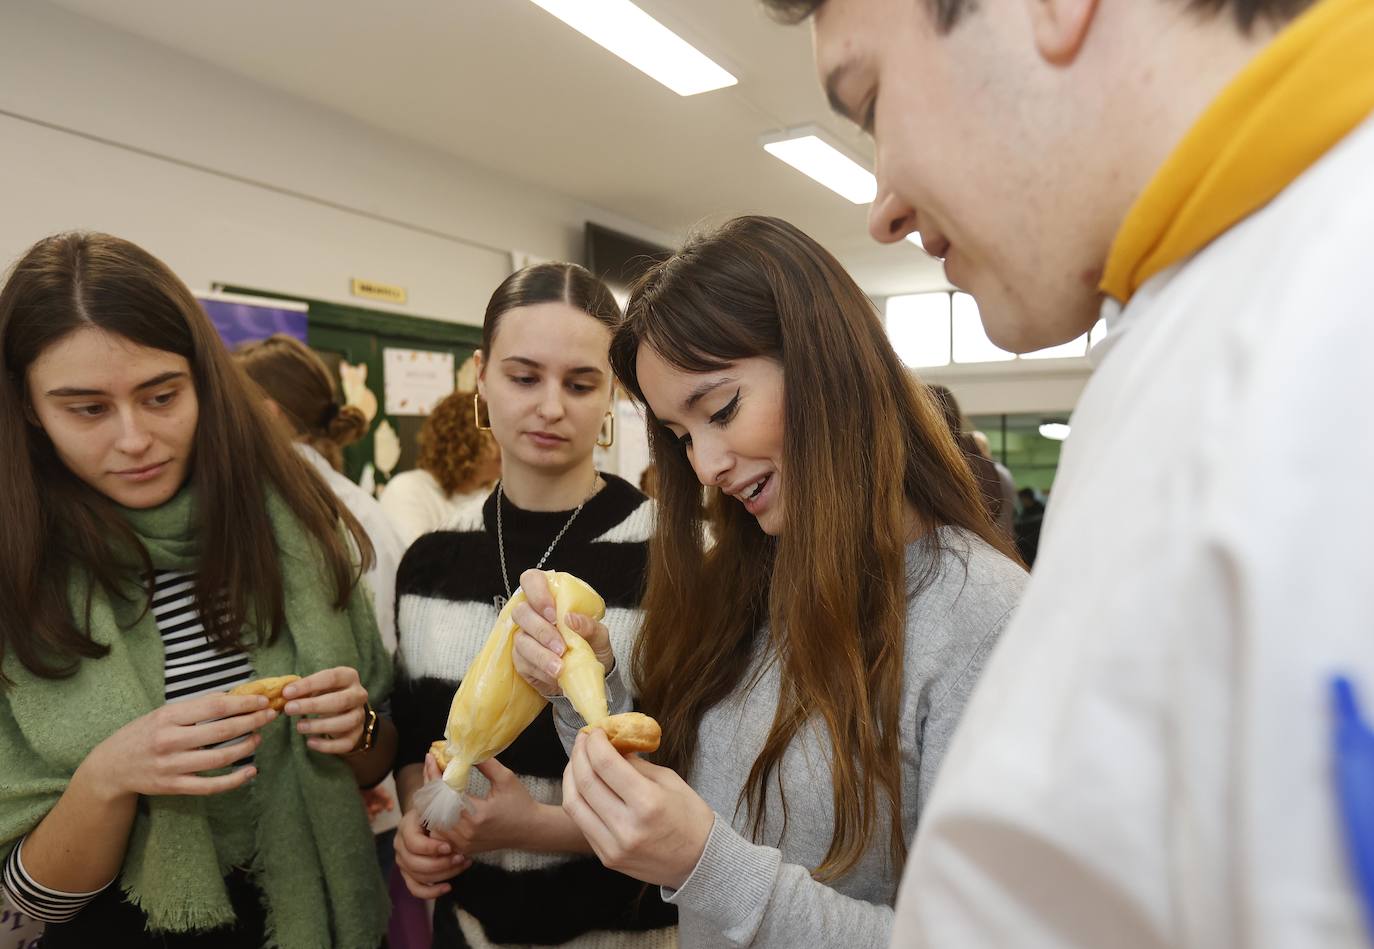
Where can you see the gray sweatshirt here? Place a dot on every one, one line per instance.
(760, 893)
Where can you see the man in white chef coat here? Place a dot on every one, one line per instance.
(1148, 760)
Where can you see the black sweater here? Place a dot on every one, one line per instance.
(446, 596)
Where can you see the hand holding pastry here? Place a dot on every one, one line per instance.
(270, 688)
(165, 751)
(629, 732)
(332, 706)
(501, 692)
(640, 819)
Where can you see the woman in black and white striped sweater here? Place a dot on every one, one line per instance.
(515, 870)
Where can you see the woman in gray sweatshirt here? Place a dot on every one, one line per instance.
(808, 667)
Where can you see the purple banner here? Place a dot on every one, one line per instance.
(244, 322)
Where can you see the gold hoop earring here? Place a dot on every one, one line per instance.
(477, 414)
(610, 440)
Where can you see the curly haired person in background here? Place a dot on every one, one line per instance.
(457, 464)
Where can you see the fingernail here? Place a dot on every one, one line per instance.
(291, 708)
(551, 614)
(289, 692)
(557, 647)
(262, 701)
(554, 667)
(271, 714)
(457, 858)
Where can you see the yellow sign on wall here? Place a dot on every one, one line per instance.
(373, 290)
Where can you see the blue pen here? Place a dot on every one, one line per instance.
(1354, 747)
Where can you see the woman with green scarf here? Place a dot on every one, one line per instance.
(163, 543)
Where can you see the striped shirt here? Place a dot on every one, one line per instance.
(194, 667)
(448, 592)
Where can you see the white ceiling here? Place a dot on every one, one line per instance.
(504, 85)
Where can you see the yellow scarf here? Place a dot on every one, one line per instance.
(1305, 92)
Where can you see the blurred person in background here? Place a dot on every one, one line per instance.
(1000, 505)
(301, 394)
(1009, 510)
(456, 467)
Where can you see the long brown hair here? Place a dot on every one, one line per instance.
(297, 380)
(56, 526)
(862, 444)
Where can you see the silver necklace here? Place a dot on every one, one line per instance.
(501, 540)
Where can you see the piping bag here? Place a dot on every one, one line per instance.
(494, 704)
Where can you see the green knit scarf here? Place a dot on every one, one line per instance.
(300, 827)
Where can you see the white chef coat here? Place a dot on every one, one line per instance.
(1147, 760)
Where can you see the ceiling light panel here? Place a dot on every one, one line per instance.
(643, 42)
(826, 164)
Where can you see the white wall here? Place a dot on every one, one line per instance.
(230, 181)
(1052, 386)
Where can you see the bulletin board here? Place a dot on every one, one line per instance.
(353, 341)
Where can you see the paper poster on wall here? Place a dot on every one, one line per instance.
(241, 319)
(386, 448)
(355, 390)
(415, 380)
(467, 376)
